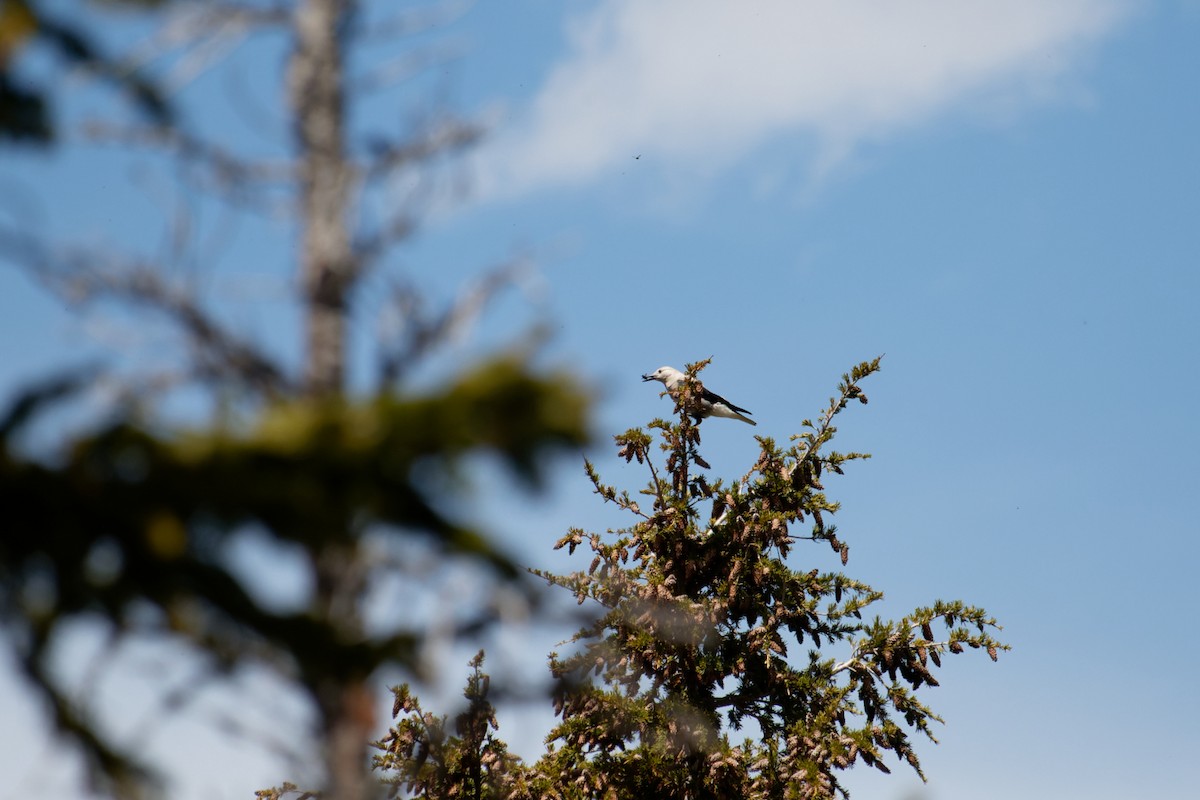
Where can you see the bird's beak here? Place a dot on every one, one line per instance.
(647, 377)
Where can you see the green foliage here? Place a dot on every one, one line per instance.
(130, 521)
(706, 628)
(427, 758)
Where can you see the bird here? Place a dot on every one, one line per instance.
(711, 403)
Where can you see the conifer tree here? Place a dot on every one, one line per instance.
(132, 524)
(715, 622)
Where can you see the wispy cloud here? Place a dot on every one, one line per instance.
(698, 83)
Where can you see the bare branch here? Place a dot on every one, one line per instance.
(411, 21)
(370, 248)
(200, 35)
(405, 66)
(416, 333)
(443, 138)
(222, 352)
(243, 182)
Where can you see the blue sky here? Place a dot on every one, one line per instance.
(1001, 197)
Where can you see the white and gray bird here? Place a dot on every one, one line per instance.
(711, 403)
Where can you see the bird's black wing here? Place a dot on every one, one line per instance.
(713, 397)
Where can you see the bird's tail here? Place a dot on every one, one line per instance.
(743, 418)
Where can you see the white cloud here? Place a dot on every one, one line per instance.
(697, 83)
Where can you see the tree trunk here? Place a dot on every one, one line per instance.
(328, 274)
(328, 267)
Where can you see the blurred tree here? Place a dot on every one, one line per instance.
(26, 105)
(702, 620)
(132, 524)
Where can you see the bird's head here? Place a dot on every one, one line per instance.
(669, 376)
